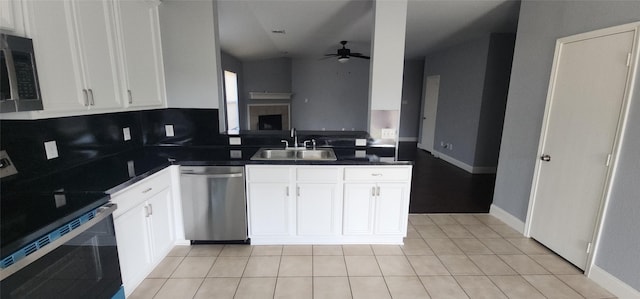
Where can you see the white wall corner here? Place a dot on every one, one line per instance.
(613, 284)
(507, 218)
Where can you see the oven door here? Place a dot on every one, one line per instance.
(81, 264)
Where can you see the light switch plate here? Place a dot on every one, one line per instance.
(51, 149)
(168, 129)
(361, 153)
(235, 141)
(126, 132)
(361, 142)
(388, 134)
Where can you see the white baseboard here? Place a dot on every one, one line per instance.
(408, 139)
(613, 284)
(468, 168)
(507, 218)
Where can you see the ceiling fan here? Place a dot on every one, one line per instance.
(344, 54)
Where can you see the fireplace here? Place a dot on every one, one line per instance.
(270, 122)
(268, 116)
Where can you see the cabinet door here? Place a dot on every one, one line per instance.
(161, 224)
(358, 208)
(318, 209)
(269, 209)
(391, 208)
(57, 56)
(95, 29)
(134, 250)
(140, 41)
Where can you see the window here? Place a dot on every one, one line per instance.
(231, 101)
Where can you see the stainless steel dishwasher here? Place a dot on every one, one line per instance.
(214, 205)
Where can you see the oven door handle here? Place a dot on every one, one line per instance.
(101, 213)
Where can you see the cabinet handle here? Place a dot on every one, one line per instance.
(130, 96)
(378, 191)
(376, 174)
(86, 97)
(287, 192)
(298, 191)
(147, 190)
(93, 103)
(146, 211)
(150, 209)
(373, 191)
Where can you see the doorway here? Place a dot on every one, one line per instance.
(589, 87)
(429, 112)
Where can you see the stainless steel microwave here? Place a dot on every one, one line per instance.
(19, 88)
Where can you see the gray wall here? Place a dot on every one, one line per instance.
(330, 95)
(410, 111)
(269, 75)
(494, 99)
(540, 24)
(462, 74)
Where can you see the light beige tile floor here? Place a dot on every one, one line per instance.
(444, 256)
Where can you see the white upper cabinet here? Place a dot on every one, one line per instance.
(93, 56)
(139, 36)
(76, 54)
(94, 23)
(11, 17)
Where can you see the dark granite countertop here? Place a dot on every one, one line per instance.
(33, 208)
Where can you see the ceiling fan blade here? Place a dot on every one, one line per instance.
(359, 55)
(329, 55)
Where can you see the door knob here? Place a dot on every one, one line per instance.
(545, 158)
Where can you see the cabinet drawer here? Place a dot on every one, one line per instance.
(377, 173)
(140, 191)
(318, 173)
(268, 173)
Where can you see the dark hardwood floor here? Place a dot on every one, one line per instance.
(440, 187)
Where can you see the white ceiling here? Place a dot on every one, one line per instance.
(315, 27)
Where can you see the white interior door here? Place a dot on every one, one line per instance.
(578, 136)
(429, 111)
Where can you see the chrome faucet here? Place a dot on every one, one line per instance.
(294, 135)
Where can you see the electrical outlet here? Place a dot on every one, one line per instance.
(361, 142)
(235, 154)
(60, 199)
(388, 134)
(235, 141)
(168, 129)
(51, 149)
(131, 168)
(450, 146)
(126, 132)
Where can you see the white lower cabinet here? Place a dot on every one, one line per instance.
(327, 204)
(317, 209)
(144, 227)
(270, 209)
(379, 209)
(392, 208)
(359, 205)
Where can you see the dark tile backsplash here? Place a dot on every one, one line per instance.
(84, 138)
(190, 126)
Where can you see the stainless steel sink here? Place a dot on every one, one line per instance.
(274, 154)
(322, 154)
